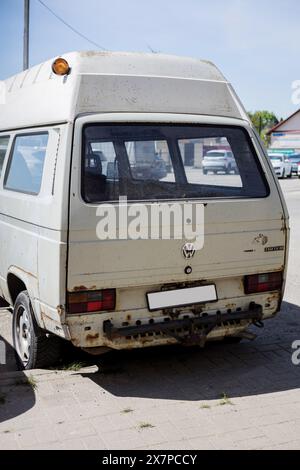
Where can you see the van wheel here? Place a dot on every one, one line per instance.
(33, 348)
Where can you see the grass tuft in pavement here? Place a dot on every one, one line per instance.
(205, 406)
(127, 410)
(225, 400)
(32, 382)
(145, 425)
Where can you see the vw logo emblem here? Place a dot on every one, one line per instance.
(188, 250)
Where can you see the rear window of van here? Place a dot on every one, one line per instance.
(157, 162)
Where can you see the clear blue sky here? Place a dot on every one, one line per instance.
(256, 43)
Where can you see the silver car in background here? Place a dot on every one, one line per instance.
(281, 165)
(219, 160)
(295, 161)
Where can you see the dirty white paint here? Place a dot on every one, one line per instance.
(36, 243)
(112, 82)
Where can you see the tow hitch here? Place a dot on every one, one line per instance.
(195, 329)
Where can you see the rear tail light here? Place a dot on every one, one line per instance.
(263, 282)
(92, 301)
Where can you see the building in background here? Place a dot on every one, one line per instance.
(285, 136)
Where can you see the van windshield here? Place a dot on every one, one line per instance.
(156, 162)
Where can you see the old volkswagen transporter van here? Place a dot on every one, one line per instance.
(93, 131)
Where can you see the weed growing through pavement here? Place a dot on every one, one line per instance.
(144, 425)
(127, 410)
(225, 400)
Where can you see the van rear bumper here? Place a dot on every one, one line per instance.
(191, 329)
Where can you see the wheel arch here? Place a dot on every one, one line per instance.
(19, 280)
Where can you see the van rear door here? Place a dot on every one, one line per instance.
(244, 220)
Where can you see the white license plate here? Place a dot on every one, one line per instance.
(181, 297)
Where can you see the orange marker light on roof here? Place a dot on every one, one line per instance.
(60, 66)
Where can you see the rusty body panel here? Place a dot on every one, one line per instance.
(95, 335)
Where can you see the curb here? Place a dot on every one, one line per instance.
(19, 377)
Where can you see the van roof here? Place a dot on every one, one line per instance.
(101, 82)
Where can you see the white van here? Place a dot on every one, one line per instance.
(74, 134)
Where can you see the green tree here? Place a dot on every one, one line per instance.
(263, 121)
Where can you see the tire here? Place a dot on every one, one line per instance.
(228, 170)
(34, 349)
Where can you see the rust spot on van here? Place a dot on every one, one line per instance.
(128, 317)
(272, 297)
(230, 306)
(77, 288)
(83, 288)
(60, 310)
(91, 338)
(241, 285)
(46, 318)
(261, 239)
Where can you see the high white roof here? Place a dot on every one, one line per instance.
(102, 82)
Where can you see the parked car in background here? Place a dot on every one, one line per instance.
(282, 166)
(295, 161)
(219, 160)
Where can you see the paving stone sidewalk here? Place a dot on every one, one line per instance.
(244, 396)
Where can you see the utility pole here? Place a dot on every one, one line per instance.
(26, 35)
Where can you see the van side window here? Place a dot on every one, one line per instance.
(25, 169)
(3, 148)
